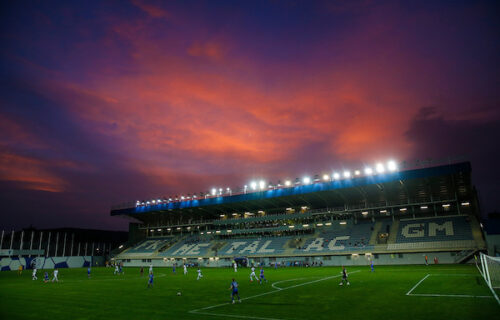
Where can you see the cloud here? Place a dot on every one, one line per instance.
(153, 11)
(210, 50)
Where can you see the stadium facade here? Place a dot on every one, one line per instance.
(385, 216)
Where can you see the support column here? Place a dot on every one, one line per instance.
(72, 243)
(48, 245)
(11, 242)
(64, 245)
(57, 244)
(40, 243)
(31, 242)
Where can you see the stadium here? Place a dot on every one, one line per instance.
(259, 160)
(406, 236)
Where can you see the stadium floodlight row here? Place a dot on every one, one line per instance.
(408, 212)
(261, 185)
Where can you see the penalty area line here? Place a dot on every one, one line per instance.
(422, 280)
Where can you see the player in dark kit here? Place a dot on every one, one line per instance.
(344, 277)
(234, 288)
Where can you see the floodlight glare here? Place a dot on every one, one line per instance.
(357, 173)
(391, 165)
(306, 180)
(288, 183)
(214, 191)
(326, 177)
(253, 185)
(380, 168)
(336, 176)
(368, 171)
(347, 174)
(262, 184)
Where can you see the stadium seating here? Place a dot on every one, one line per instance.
(452, 228)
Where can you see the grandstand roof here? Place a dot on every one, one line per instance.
(443, 182)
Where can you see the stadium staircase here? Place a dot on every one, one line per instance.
(393, 232)
(465, 255)
(374, 236)
(476, 232)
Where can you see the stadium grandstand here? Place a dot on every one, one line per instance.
(387, 213)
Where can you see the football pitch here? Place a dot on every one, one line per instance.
(391, 292)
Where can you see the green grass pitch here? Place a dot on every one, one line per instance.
(391, 292)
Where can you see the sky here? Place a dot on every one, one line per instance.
(103, 102)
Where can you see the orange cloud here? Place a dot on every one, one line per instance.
(211, 50)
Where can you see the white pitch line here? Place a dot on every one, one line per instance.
(232, 315)
(275, 283)
(448, 295)
(259, 295)
(408, 293)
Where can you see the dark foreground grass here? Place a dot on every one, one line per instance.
(298, 293)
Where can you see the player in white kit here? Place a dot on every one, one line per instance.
(56, 272)
(235, 267)
(185, 269)
(33, 277)
(150, 268)
(199, 274)
(252, 275)
(116, 269)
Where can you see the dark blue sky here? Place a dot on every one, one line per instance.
(103, 102)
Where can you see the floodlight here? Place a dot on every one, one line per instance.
(214, 191)
(368, 171)
(262, 184)
(357, 173)
(380, 168)
(326, 177)
(336, 176)
(253, 185)
(306, 180)
(347, 174)
(288, 183)
(392, 166)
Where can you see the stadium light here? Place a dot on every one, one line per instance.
(336, 176)
(305, 225)
(319, 224)
(326, 177)
(380, 168)
(229, 231)
(403, 209)
(291, 227)
(383, 211)
(424, 207)
(153, 201)
(218, 231)
(262, 184)
(168, 229)
(328, 224)
(121, 246)
(159, 200)
(364, 213)
(253, 185)
(357, 173)
(465, 204)
(392, 166)
(214, 191)
(446, 205)
(288, 183)
(347, 174)
(159, 230)
(368, 171)
(342, 222)
(151, 230)
(222, 215)
(182, 198)
(306, 180)
(147, 203)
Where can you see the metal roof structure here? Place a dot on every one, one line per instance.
(444, 182)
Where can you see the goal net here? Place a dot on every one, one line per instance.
(490, 270)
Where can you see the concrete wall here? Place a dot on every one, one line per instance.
(347, 260)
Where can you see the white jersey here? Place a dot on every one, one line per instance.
(55, 273)
(34, 271)
(253, 270)
(150, 268)
(199, 271)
